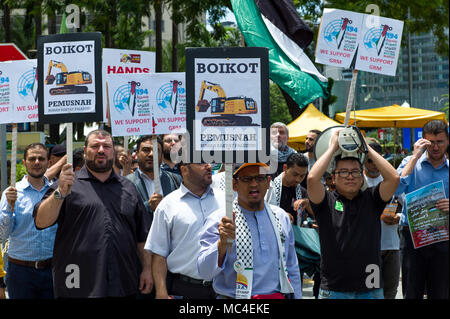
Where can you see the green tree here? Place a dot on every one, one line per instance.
(279, 111)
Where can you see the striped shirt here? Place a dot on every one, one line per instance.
(25, 241)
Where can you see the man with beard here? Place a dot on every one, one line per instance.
(425, 267)
(174, 235)
(310, 141)
(30, 251)
(143, 177)
(279, 136)
(102, 227)
(171, 143)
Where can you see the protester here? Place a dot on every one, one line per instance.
(279, 135)
(425, 267)
(29, 251)
(122, 161)
(78, 159)
(286, 192)
(310, 141)
(390, 241)
(102, 227)
(174, 235)
(263, 241)
(57, 159)
(349, 223)
(171, 143)
(143, 177)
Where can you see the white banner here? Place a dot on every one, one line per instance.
(5, 94)
(338, 37)
(228, 104)
(24, 90)
(143, 104)
(376, 40)
(69, 77)
(122, 62)
(379, 45)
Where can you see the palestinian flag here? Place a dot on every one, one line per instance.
(275, 24)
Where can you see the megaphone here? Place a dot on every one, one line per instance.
(351, 144)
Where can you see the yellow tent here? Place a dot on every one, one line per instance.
(392, 116)
(310, 119)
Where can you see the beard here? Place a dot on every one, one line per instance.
(166, 154)
(145, 167)
(100, 168)
(36, 175)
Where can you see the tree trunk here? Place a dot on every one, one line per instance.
(52, 23)
(158, 34)
(174, 39)
(7, 21)
(38, 19)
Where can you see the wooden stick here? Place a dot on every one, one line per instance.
(13, 154)
(351, 97)
(156, 165)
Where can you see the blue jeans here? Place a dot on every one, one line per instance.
(29, 283)
(371, 294)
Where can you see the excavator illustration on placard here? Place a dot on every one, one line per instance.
(67, 82)
(226, 108)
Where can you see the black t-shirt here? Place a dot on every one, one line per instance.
(350, 234)
(99, 226)
(288, 197)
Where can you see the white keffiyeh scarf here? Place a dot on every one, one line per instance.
(244, 254)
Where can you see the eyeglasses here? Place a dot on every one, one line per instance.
(249, 179)
(438, 143)
(345, 173)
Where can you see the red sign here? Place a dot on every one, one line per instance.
(10, 52)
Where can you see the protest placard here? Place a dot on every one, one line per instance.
(228, 99)
(338, 37)
(23, 90)
(379, 45)
(428, 225)
(121, 62)
(69, 77)
(143, 104)
(5, 94)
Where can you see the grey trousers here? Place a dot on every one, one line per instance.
(390, 272)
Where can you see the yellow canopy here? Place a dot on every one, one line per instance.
(392, 116)
(310, 119)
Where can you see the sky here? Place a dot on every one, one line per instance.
(229, 17)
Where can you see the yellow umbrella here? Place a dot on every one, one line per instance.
(392, 116)
(310, 119)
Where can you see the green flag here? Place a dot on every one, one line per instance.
(266, 23)
(63, 28)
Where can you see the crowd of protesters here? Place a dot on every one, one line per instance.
(103, 227)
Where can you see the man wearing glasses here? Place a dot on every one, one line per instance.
(425, 266)
(261, 262)
(349, 223)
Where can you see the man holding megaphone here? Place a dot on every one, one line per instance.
(349, 222)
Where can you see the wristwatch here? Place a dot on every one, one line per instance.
(58, 194)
